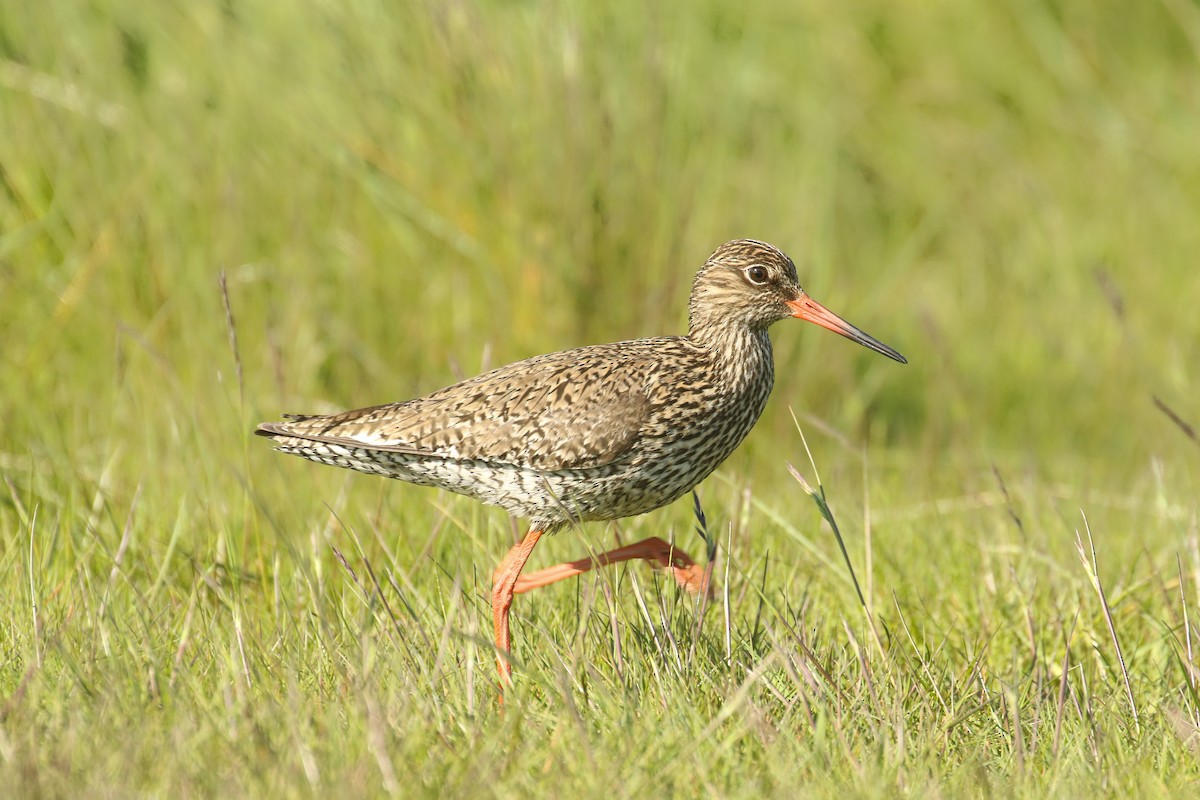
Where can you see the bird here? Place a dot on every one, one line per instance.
(600, 432)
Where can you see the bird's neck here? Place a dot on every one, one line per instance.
(742, 354)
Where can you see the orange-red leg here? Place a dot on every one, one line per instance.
(687, 573)
(507, 580)
(503, 583)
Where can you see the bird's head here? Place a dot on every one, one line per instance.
(750, 283)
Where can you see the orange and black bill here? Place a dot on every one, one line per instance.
(804, 307)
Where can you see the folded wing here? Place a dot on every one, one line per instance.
(558, 411)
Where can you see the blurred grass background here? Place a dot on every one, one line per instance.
(402, 194)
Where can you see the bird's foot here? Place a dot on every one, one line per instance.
(694, 578)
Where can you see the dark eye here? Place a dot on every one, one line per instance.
(757, 274)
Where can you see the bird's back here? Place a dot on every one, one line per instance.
(597, 432)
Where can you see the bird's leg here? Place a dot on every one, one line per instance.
(687, 573)
(503, 582)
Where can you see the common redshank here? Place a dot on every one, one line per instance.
(595, 433)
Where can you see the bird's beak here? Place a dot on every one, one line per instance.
(804, 307)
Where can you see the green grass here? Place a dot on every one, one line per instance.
(402, 194)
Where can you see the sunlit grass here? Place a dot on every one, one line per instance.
(401, 195)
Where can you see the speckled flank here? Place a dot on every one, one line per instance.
(597, 432)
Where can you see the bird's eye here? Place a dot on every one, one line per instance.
(757, 274)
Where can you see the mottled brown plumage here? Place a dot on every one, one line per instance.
(599, 432)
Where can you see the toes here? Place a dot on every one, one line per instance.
(695, 579)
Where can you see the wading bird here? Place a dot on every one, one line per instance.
(595, 433)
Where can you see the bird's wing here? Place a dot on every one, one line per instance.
(571, 410)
